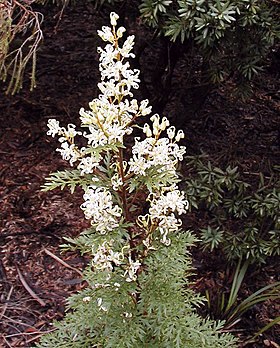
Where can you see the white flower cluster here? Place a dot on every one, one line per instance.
(163, 208)
(109, 120)
(99, 207)
(105, 258)
(162, 211)
(110, 115)
(69, 150)
(155, 152)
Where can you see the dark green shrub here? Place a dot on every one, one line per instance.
(223, 40)
(243, 221)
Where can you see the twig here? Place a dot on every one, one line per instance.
(255, 174)
(29, 290)
(6, 304)
(16, 322)
(62, 262)
(30, 333)
(7, 343)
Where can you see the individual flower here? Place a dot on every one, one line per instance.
(116, 181)
(69, 152)
(106, 34)
(131, 271)
(113, 18)
(69, 133)
(144, 108)
(54, 127)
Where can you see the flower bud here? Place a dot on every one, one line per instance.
(147, 130)
(120, 32)
(113, 18)
(164, 124)
(171, 132)
(180, 135)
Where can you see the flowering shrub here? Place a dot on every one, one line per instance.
(137, 294)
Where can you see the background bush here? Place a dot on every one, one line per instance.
(243, 221)
(221, 40)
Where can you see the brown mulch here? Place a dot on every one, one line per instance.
(34, 285)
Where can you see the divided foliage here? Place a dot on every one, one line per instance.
(163, 317)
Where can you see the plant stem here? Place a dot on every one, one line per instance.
(123, 191)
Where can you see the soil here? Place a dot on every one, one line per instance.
(35, 278)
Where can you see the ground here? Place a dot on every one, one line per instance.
(34, 281)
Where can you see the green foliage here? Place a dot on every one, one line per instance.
(228, 309)
(156, 319)
(230, 37)
(66, 178)
(243, 221)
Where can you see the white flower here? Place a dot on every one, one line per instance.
(144, 108)
(147, 130)
(115, 133)
(171, 132)
(131, 272)
(106, 34)
(153, 152)
(99, 207)
(172, 201)
(71, 131)
(87, 117)
(127, 315)
(117, 286)
(108, 54)
(96, 137)
(116, 182)
(162, 211)
(69, 152)
(113, 18)
(88, 164)
(87, 299)
(120, 32)
(105, 258)
(54, 127)
(180, 135)
(127, 47)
